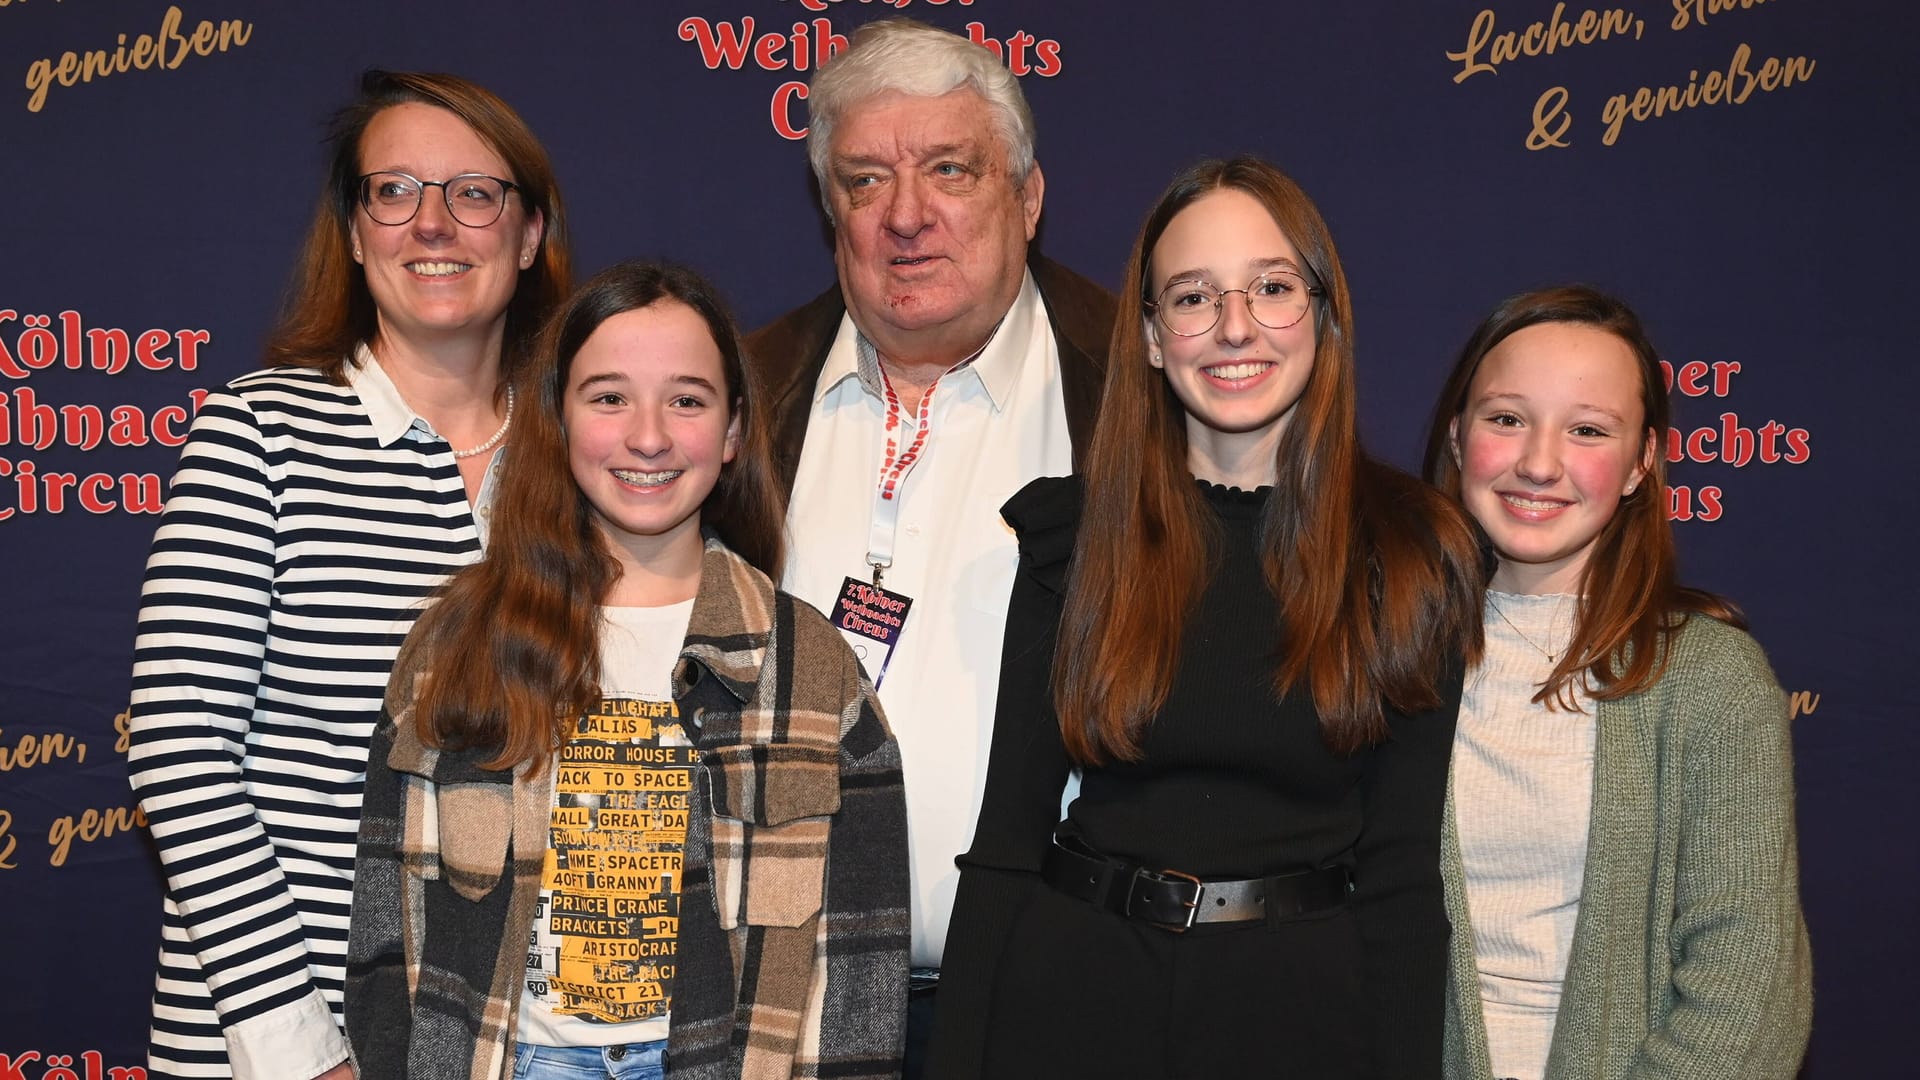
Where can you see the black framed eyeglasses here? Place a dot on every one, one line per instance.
(475, 200)
(1276, 299)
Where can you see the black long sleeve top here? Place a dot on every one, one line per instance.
(1234, 783)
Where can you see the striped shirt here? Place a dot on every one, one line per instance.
(304, 528)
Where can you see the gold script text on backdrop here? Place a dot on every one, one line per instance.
(1734, 82)
(164, 51)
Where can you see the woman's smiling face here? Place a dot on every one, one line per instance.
(1240, 380)
(433, 277)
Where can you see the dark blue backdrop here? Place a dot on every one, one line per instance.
(1773, 233)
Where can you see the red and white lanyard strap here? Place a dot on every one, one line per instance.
(894, 469)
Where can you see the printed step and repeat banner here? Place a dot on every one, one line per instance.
(1740, 170)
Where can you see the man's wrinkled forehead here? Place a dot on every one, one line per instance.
(892, 127)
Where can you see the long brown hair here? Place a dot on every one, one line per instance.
(509, 653)
(1630, 599)
(329, 310)
(1375, 575)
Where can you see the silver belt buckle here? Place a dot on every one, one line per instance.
(1192, 905)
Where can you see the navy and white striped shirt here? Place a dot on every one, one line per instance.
(306, 525)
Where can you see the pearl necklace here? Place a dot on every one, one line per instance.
(494, 439)
(1546, 652)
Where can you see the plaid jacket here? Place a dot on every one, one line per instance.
(792, 957)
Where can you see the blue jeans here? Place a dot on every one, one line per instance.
(635, 1061)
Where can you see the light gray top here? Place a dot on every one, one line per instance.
(1522, 784)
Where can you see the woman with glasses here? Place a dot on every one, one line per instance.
(1620, 861)
(317, 503)
(1248, 637)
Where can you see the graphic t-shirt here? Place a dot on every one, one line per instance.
(601, 959)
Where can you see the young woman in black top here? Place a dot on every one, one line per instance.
(1248, 637)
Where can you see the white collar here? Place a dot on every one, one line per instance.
(997, 364)
(387, 411)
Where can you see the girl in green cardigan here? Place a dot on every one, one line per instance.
(1619, 852)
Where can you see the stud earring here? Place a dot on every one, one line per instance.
(1629, 490)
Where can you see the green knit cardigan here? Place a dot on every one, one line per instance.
(1689, 957)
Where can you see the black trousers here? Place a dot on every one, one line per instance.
(1086, 993)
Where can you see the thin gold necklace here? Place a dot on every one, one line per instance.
(1551, 656)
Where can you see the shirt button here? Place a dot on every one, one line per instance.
(913, 530)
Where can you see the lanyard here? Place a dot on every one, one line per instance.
(885, 520)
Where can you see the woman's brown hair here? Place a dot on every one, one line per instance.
(329, 310)
(1630, 599)
(508, 655)
(1375, 575)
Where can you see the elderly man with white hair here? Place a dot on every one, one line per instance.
(948, 367)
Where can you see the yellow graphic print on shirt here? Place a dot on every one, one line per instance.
(613, 865)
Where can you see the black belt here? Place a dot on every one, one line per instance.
(1175, 901)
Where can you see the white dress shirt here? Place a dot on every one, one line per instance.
(993, 425)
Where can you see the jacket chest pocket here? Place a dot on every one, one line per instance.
(471, 824)
(772, 808)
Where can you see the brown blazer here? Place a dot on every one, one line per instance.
(790, 352)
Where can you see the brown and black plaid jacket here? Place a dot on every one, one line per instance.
(795, 871)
